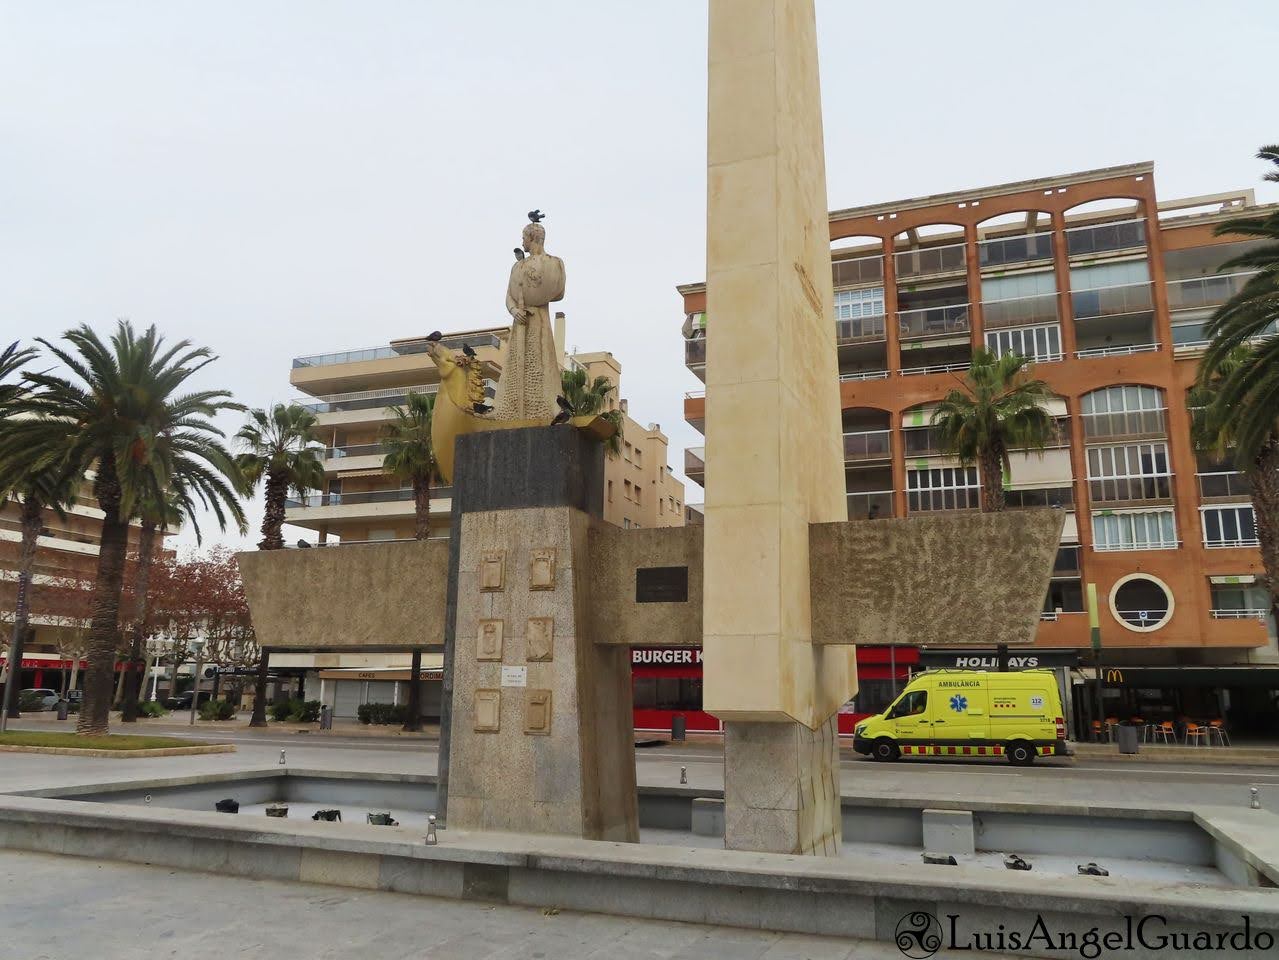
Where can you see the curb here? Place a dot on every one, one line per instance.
(128, 754)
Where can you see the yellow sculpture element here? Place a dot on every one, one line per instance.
(461, 388)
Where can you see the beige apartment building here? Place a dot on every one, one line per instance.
(351, 393)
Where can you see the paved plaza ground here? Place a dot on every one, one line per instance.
(62, 908)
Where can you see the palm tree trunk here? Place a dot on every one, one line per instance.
(277, 489)
(259, 691)
(134, 678)
(991, 467)
(1265, 507)
(31, 527)
(413, 722)
(422, 506)
(104, 629)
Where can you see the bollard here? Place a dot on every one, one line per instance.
(683, 774)
(431, 838)
(1255, 795)
(281, 758)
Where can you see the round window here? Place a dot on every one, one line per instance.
(1141, 602)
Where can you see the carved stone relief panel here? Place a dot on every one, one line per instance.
(540, 637)
(488, 644)
(541, 571)
(537, 712)
(492, 570)
(488, 711)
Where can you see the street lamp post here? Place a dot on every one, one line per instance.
(195, 689)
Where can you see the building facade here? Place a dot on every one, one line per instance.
(350, 392)
(1107, 289)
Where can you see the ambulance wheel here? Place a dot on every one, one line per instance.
(1020, 753)
(885, 749)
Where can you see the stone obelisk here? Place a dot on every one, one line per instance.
(774, 455)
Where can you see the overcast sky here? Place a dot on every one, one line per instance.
(274, 179)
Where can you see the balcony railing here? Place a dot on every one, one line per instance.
(363, 399)
(870, 505)
(868, 445)
(859, 329)
(1143, 618)
(1124, 350)
(1125, 423)
(355, 450)
(1250, 613)
(1027, 248)
(933, 321)
(864, 375)
(1117, 301)
(695, 352)
(935, 368)
(1230, 543)
(1019, 311)
(1105, 237)
(389, 352)
(1223, 484)
(857, 271)
(1129, 489)
(364, 496)
(1200, 292)
(921, 442)
(1040, 497)
(930, 261)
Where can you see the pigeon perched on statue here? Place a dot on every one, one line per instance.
(536, 216)
(466, 349)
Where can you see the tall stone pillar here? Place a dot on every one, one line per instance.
(773, 429)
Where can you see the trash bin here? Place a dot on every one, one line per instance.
(679, 726)
(62, 709)
(1126, 737)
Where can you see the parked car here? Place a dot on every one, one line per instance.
(47, 699)
(75, 697)
(183, 700)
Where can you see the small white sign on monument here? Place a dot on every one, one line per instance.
(515, 676)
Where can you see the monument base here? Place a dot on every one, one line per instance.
(781, 787)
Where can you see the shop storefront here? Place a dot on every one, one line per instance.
(345, 691)
(667, 681)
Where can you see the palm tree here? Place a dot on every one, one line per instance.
(281, 447)
(587, 399)
(190, 487)
(115, 412)
(999, 409)
(11, 358)
(1251, 387)
(1216, 427)
(410, 458)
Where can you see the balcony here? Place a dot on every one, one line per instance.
(1066, 563)
(870, 505)
(921, 442)
(363, 399)
(695, 464)
(1125, 423)
(1130, 490)
(364, 497)
(857, 271)
(859, 330)
(390, 352)
(1111, 301)
(1250, 613)
(931, 368)
(1020, 311)
(867, 445)
(695, 357)
(930, 261)
(1106, 238)
(1059, 497)
(853, 375)
(355, 450)
(1224, 485)
(1198, 293)
(1007, 251)
(931, 322)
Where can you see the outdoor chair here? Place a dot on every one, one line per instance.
(1140, 724)
(1098, 733)
(1165, 732)
(1198, 734)
(1217, 728)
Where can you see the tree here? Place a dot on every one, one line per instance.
(410, 458)
(282, 448)
(116, 411)
(593, 399)
(999, 409)
(1216, 427)
(1248, 385)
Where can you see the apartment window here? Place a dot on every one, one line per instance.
(639, 456)
(1102, 275)
(1123, 410)
(1037, 343)
(943, 488)
(639, 494)
(1134, 471)
(855, 304)
(626, 523)
(628, 451)
(661, 507)
(626, 489)
(1141, 530)
(1064, 595)
(1234, 526)
(610, 491)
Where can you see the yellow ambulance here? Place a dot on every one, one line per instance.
(969, 713)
